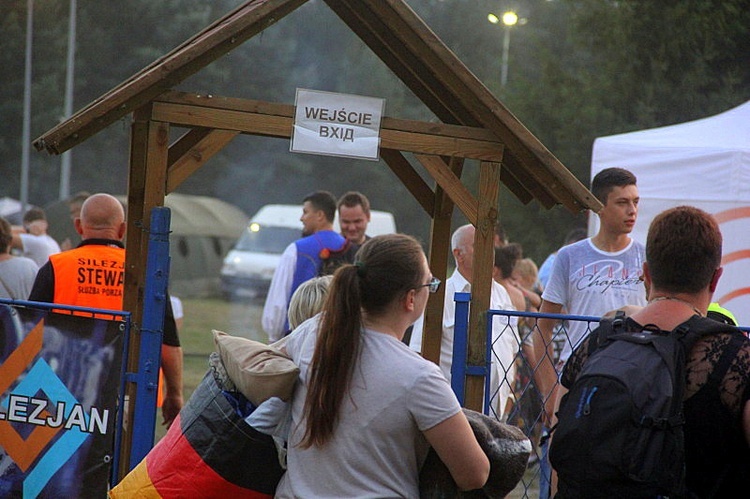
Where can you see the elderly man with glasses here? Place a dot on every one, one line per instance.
(505, 340)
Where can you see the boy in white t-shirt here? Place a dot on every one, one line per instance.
(591, 277)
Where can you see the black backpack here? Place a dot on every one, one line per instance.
(331, 259)
(620, 427)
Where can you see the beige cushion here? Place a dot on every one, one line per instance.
(260, 371)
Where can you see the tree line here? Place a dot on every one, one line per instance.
(577, 69)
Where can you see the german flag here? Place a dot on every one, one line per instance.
(209, 451)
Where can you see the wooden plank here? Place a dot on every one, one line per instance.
(418, 188)
(439, 255)
(222, 36)
(426, 197)
(441, 146)
(489, 188)
(281, 127)
(281, 109)
(195, 157)
(452, 185)
(186, 142)
(251, 123)
(148, 142)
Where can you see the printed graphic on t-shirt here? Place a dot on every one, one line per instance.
(603, 275)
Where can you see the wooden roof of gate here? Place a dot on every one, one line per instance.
(475, 124)
(402, 41)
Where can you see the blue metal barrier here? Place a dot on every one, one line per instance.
(459, 370)
(530, 421)
(149, 359)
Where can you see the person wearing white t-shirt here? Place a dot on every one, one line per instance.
(505, 340)
(32, 238)
(591, 277)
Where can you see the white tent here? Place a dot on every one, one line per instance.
(703, 163)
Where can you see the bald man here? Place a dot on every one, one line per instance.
(93, 274)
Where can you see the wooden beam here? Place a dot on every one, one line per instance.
(187, 141)
(146, 189)
(418, 188)
(452, 185)
(187, 162)
(273, 125)
(225, 34)
(489, 183)
(287, 110)
(439, 255)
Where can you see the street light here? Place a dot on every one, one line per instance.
(509, 19)
(66, 156)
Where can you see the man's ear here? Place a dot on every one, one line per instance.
(78, 226)
(647, 279)
(121, 230)
(409, 300)
(715, 279)
(456, 253)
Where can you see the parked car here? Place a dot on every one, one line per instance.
(249, 266)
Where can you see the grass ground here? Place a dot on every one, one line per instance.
(201, 316)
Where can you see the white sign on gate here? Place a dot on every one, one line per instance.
(337, 124)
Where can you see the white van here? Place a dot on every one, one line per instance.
(250, 264)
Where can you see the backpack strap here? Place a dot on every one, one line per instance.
(606, 329)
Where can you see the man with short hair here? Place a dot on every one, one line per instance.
(354, 216)
(590, 278)
(32, 238)
(597, 274)
(301, 260)
(74, 208)
(682, 269)
(73, 277)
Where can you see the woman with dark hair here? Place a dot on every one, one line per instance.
(366, 408)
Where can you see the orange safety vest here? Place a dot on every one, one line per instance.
(93, 276)
(90, 276)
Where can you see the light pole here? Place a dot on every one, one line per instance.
(66, 157)
(509, 19)
(26, 129)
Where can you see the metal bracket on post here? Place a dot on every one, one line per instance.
(149, 359)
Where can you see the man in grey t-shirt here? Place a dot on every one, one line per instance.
(17, 273)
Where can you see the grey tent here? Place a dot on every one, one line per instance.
(203, 230)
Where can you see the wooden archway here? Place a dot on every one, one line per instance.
(475, 125)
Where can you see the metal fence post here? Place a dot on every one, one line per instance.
(149, 358)
(460, 345)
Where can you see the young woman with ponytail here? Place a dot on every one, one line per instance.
(366, 408)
